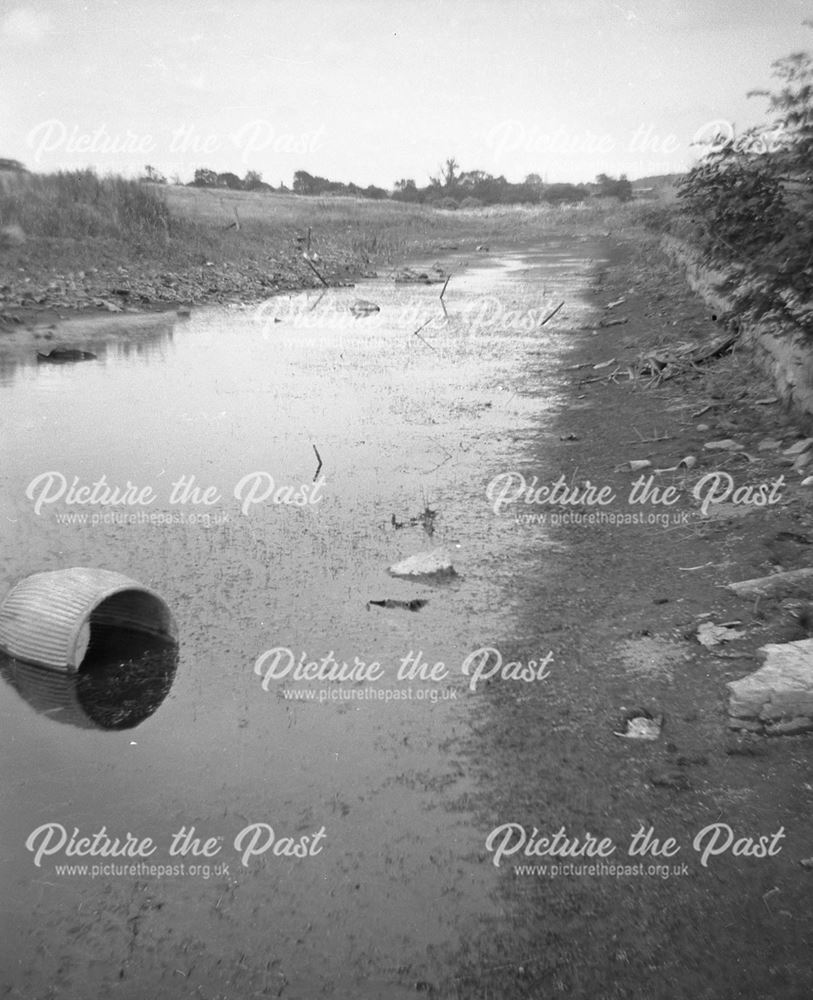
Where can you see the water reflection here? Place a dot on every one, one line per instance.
(143, 337)
(124, 678)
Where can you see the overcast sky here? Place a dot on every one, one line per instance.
(375, 90)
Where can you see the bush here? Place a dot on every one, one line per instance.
(471, 203)
(750, 201)
(447, 203)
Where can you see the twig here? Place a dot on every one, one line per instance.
(319, 460)
(443, 290)
(309, 238)
(318, 275)
(642, 440)
(417, 333)
(317, 301)
(552, 313)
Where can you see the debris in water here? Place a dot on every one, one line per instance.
(552, 313)
(426, 519)
(425, 564)
(414, 605)
(361, 307)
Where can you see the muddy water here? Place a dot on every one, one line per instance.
(369, 777)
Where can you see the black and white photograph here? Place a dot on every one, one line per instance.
(406, 500)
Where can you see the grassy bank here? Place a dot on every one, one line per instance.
(77, 241)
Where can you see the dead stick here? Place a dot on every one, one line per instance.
(318, 275)
(417, 333)
(443, 290)
(666, 437)
(319, 459)
(552, 313)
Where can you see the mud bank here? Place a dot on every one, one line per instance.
(783, 350)
(617, 595)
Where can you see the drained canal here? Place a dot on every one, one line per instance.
(275, 460)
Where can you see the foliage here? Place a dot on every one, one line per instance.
(750, 199)
(79, 203)
(610, 187)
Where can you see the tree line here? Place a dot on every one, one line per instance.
(449, 188)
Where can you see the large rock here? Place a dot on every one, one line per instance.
(778, 698)
(429, 565)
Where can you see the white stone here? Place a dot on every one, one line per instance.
(434, 563)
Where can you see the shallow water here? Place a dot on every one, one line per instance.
(401, 422)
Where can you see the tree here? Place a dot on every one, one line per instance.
(303, 183)
(750, 199)
(609, 187)
(151, 174)
(205, 178)
(252, 180)
(229, 180)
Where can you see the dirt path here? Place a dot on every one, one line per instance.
(619, 604)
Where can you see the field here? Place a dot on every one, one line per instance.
(78, 241)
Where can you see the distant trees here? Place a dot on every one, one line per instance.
(205, 178)
(153, 175)
(13, 165)
(450, 185)
(230, 181)
(253, 181)
(610, 187)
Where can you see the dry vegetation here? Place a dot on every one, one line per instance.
(76, 240)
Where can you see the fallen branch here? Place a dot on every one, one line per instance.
(774, 585)
(318, 275)
(417, 333)
(643, 440)
(552, 313)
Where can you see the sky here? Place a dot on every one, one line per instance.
(373, 91)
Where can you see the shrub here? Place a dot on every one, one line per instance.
(750, 200)
(78, 203)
